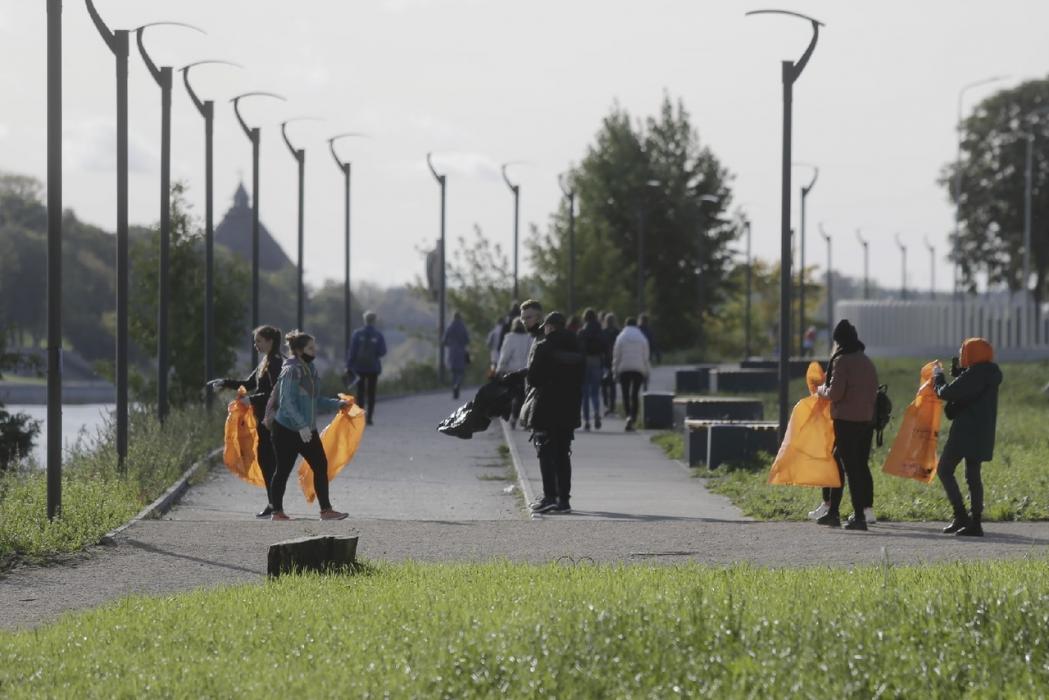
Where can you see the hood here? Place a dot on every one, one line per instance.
(989, 372)
(562, 339)
(976, 351)
(632, 331)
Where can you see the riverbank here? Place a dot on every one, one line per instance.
(35, 393)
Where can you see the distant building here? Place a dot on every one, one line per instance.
(235, 233)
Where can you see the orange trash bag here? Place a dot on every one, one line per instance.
(242, 439)
(806, 457)
(340, 440)
(913, 453)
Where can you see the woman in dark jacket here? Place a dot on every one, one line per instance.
(972, 406)
(260, 385)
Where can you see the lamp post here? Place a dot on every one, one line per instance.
(299, 154)
(345, 168)
(54, 258)
(117, 41)
(830, 291)
(903, 267)
(442, 182)
(704, 199)
(932, 268)
(866, 265)
(642, 222)
(791, 71)
(1028, 189)
(805, 190)
(570, 196)
(163, 78)
(254, 135)
(516, 190)
(747, 301)
(207, 110)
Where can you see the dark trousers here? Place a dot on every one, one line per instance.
(841, 474)
(949, 461)
(591, 390)
(517, 397)
(366, 383)
(267, 457)
(287, 445)
(554, 448)
(608, 391)
(852, 448)
(631, 383)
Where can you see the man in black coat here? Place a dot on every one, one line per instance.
(555, 389)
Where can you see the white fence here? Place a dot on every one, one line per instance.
(936, 328)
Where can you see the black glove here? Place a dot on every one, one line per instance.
(955, 367)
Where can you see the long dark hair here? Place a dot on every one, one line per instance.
(297, 340)
(272, 334)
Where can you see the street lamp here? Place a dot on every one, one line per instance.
(805, 189)
(746, 305)
(254, 135)
(207, 110)
(345, 168)
(704, 199)
(117, 41)
(903, 267)
(299, 154)
(791, 71)
(442, 182)
(163, 78)
(516, 190)
(1028, 187)
(932, 268)
(830, 291)
(570, 196)
(642, 219)
(54, 258)
(866, 265)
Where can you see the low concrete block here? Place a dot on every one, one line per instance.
(716, 408)
(743, 380)
(713, 442)
(692, 381)
(797, 366)
(658, 410)
(325, 553)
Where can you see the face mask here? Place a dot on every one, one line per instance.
(307, 358)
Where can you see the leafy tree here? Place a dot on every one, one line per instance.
(17, 430)
(991, 201)
(660, 175)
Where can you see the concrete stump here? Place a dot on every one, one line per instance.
(744, 380)
(692, 381)
(716, 408)
(796, 366)
(658, 410)
(713, 443)
(325, 553)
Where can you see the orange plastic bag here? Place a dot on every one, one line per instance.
(913, 453)
(340, 440)
(242, 438)
(806, 457)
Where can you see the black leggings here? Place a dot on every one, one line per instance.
(949, 461)
(267, 457)
(287, 445)
(852, 449)
(631, 382)
(366, 382)
(608, 391)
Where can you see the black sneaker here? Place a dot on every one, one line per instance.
(541, 501)
(546, 507)
(972, 529)
(629, 425)
(560, 509)
(265, 512)
(829, 519)
(955, 525)
(855, 525)
(586, 426)
(597, 422)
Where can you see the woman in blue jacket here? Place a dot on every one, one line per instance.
(292, 416)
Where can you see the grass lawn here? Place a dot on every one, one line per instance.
(517, 630)
(1016, 483)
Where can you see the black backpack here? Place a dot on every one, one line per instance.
(882, 411)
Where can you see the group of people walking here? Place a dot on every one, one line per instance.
(971, 404)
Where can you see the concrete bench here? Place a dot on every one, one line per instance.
(713, 442)
(658, 408)
(695, 380)
(796, 366)
(743, 380)
(325, 553)
(716, 408)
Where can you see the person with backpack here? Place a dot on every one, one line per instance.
(972, 407)
(852, 388)
(595, 347)
(367, 348)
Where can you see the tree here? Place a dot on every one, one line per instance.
(991, 198)
(17, 430)
(657, 176)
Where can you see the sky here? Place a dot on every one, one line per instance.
(481, 83)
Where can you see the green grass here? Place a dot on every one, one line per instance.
(1016, 483)
(96, 498)
(525, 631)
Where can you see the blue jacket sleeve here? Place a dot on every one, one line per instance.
(355, 342)
(288, 386)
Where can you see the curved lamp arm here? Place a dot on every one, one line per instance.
(295, 152)
(436, 176)
(106, 32)
(506, 179)
(236, 107)
(331, 146)
(930, 246)
(561, 181)
(899, 243)
(150, 64)
(189, 88)
(799, 65)
(863, 242)
(823, 232)
(815, 176)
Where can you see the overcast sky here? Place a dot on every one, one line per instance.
(484, 82)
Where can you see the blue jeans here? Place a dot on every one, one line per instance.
(457, 376)
(592, 390)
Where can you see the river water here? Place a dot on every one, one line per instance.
(87, 417)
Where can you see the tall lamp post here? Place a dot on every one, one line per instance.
(442, 182)
(515, 189)
(254, 135)
(642, 225)
(1028, 189)
(805, 190)
(299, 154)
(207, 110)
(345, 168)
(791, 71)
(932, 268)
(117, 41)
(54, 258)
(866, 265)
(163, 77)
(747, 300)
(903, 267)
(570, 196)
(830, 291)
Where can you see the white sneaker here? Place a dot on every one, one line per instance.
(868, 515)
(820, 511)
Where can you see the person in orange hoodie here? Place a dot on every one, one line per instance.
(972, 407)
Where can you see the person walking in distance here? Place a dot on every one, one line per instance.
(610, 328)
(260, 385)
(457, 340)
(852, 388)
(513, 357)
(555, 380)
(291, 416)
(972, 407)
(630, 365)
(367, 348)
(595, 348)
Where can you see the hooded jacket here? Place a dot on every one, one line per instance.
(974, 398)
(631, 352)
(555, 381)
(259, 384)
(295, 401)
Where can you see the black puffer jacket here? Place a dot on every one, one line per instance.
(555, 381)
(974, 399)
(259, 384)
